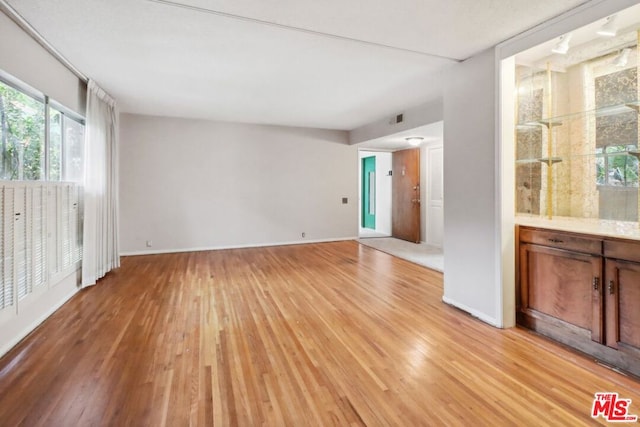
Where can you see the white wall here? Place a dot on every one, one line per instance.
(384, 163)
(470, 211)
(194, 184)
(23, 58)
(505, 177)
(36, 311)
(424, 177)
(383, 190)
(469, 186)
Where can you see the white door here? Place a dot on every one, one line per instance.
(435, 199)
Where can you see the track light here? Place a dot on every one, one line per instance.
(608, 29)
(622, 59)
(414, 140)
(563, 45)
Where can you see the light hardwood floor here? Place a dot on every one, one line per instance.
(320, 334)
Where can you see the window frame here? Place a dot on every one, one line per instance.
(607, 167)
(66, 113)
(599, 67)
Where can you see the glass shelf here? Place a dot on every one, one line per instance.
(608, 110)
(577, 150)
(575, 157)
(550, 161)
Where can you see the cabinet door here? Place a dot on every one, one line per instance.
(623, 304)
(562, 287)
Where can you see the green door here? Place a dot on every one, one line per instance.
(369, 192)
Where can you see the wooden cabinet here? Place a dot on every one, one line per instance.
(557, 286)
(583, 291)
(623, 311)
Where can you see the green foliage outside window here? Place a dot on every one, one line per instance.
(615, 167)
(22, 139)
(22, 127)
(55, 145)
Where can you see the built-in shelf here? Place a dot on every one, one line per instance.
(635, 105)
(550, 161)
(635, 153)
(550, 123)
(582, 124)
(578, 157)
(608, 110)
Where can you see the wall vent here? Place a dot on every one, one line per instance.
(396, 119)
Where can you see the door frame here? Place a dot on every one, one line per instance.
(368, 167)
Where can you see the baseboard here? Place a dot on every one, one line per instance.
(219, 248)
(475, 313)
(37, 322)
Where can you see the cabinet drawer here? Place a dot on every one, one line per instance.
(628, 251)
(561, 240)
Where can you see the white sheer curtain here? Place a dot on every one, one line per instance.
(100, 252)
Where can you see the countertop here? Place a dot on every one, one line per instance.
(598, 227)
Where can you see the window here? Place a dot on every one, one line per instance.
(616, 131)
(615, 167)
(23, 139)
(40, 221)
(66, 146)
(55, 145)
(73, 144)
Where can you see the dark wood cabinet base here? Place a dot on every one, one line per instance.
(571, 338)
(582, 291)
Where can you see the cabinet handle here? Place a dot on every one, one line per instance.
(611, 287)
(555, 241)
(596, 283)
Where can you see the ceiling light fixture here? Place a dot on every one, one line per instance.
(414, 140)
(563, 45)
(608, 29)
(623, 58)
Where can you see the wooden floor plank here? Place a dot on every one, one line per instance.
(318, 334)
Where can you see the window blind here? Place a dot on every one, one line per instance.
(7, 250)
(39, 237)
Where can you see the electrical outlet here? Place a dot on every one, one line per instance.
(149, 243)
(304, 234)
(345, 200)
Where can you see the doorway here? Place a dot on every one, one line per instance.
(427, 248)
(368, 207)
(374, 219)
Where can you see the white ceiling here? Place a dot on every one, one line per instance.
(431, 133)
(585, 44)
(327, 64)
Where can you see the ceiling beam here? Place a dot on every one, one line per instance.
(298, 29)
